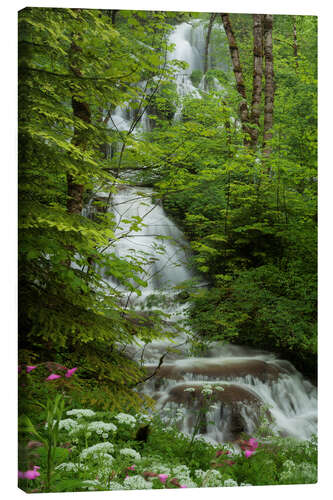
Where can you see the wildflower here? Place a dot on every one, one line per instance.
(100, 427)
(71, 467)
(81, 413)
(53, 376)
(183, 486)
(210, 478)
(189, 389)
(20, 474)
(70, 372)
(130, 452)
(136, 483)
(97, 449)
(30, 368)
(31, 474)
(125, 418)
(219, 388)
(249, 447)
(113, 485)
(253, 443)
(230, 482)
(105, 435)
(207, 390)
(68, 424)
(163, 477)
(131, 467)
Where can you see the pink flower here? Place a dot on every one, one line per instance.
(183, 486)
(19, 370)
(70, 372)
(53, 376)
(20, 474)
(248, 453)
(30, 368)
(163, 477)
(253, 443)
(31, 474)
(132, 467)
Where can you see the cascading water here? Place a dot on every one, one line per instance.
(243, 380)
(251, 380)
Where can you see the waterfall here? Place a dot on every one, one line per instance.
(245, 383)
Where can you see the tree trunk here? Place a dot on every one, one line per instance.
(81, 111)
(209, 31)
(295, 42)
(269, 83)
(257, 76)
(240, 85)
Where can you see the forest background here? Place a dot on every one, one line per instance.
(191, 9)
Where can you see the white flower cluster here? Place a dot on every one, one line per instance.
(78, 429)
(189, 389)
(160, 468)
(288, 471)
(68, 424)
(211, 479)
(136, 483)
(71, 467)
(304, 471)
(105, 458)
(308, 471)
(143, 418)
(125, 418)
(113, 485)
(81, 413)
(182, 473)
(131, 453)
(101, 427)
(96, 450)
(207, 390)
(230, 482)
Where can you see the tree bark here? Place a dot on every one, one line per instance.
(269, 84)
(257, 76)
(209, 31)
(240, 85)
(295, 42)
(81, 111)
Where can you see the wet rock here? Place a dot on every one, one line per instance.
(224, 370)
(231, 394)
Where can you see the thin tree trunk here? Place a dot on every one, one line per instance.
(81, 111)
(257, 76)
(209, 31)
(269, 84)
(295, 46)
(240, 85)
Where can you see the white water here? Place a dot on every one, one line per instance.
(250, 378)
(273, 383)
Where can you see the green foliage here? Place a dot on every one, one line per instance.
(196, 77)
(68, 300)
